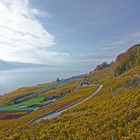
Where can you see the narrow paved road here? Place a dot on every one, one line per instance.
(79, 85)
(58, 112)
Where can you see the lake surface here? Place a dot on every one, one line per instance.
(20, 77)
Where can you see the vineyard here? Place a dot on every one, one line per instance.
(112, 113)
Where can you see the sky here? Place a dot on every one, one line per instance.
(74, 34)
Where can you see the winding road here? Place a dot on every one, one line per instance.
(58, 112)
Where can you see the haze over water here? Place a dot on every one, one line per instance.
(20, 77)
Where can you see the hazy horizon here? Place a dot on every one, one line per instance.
(69, 34)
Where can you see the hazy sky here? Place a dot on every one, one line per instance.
(76, 34)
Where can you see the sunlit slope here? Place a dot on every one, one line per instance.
(127, 60)
(114, 113)
(101, 75)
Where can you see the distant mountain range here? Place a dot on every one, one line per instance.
(9, 65)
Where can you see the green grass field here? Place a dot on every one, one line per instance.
(26, 105)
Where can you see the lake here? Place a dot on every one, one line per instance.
(21, 77)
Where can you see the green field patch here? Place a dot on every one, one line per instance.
(26, 105)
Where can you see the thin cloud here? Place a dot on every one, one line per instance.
(129, 40)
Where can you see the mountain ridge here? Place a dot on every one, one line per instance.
(125, 61)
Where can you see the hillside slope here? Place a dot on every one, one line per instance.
(127, 60)
(113, 113)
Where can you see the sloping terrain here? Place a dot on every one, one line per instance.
(127, 60)
(34, 101)
(112, 113)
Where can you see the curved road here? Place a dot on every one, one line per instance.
(58, 112)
